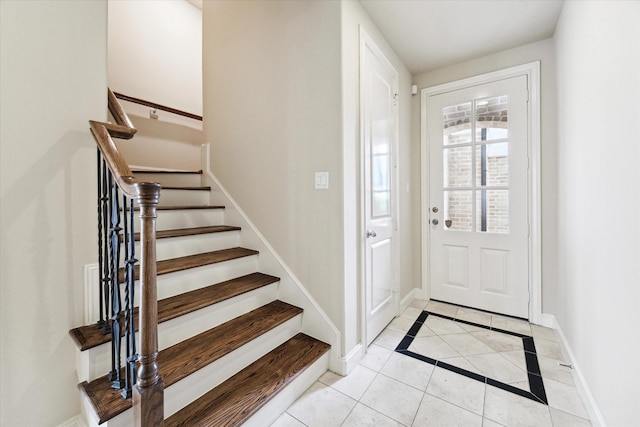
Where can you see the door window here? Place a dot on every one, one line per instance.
(475, 148)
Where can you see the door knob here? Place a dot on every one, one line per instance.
(435, 222)
(371, 233)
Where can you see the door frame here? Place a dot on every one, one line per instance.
(366, 41)
(532, 71)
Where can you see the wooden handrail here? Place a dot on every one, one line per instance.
(156, 106)
(148, 393)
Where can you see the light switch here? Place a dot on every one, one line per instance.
(322, 180)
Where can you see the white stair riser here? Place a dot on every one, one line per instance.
(96, 362)
(281, 401)
(173, 219)
(195, 278)
(173, 179)
(174, 247)
(195, 385)
(170, 197)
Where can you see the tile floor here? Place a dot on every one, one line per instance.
(449, 367)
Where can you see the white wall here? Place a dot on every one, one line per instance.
(598, 295)
(353, 18)
(273, 116)
(53, 79)
(155, 53)
(542, 51)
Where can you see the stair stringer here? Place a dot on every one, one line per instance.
(315, 321)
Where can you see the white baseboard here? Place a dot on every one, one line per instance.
(76, 421)
(595, 416)
(407, 300)
(348, 363)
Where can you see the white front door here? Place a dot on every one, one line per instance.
(478, 213)
(378, 89)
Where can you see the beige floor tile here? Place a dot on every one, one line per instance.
(512, 410)
(389, 339)
(564, 397)
(375, 357)
(363, 416)
(512, 325)
(419, 303)
(466, 344)
(354, 384)
(286, 420)
(443, 326)
(563, 419)
(435, 412)
(433, 347)
(544, 333)
(442, 308)
(457, 389)
(499, 342)
(411, 313)
(497, 367)
(551, 368)
(401, 324)
(322, 406)
(474, 316)
(393, 399)
(408, 370)
(547, 348)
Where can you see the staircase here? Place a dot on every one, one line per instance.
(231, 352)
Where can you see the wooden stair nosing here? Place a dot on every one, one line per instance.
(187, 262)
(237, 399)
(168, 172)
(184, 207)
(181, 232)
(186, 357)
(88, 336)
(186, 188)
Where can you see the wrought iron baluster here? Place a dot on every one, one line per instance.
(116, 310)
(100, 324)
(129, 293)
(106, 262)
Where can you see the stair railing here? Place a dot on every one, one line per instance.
(138, 377)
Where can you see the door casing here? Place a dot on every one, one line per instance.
(532, 71)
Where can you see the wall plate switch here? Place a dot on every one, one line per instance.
(322, 180)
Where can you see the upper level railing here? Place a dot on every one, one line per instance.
(115, 231)
(156, 106)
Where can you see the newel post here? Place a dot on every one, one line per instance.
(148, 394)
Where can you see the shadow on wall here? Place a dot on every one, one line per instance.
(162, 144)
(48, 222)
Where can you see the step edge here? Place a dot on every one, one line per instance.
(80, 340)
(104, 416)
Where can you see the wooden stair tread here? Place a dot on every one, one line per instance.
(186, 207)
(183, 207)
(173, 265)
(167, 171)
(88, 336)
(180, 232)
(237, 399)
(174, 187)
(186, 357)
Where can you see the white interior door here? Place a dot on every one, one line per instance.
(478, 213)
(379, 129)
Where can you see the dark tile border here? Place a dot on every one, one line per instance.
(536, 384)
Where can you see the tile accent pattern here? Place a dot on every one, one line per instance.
(535, 390)
(389, 388)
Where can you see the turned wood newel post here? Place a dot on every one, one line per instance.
(148, 394)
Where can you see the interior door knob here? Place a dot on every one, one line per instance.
(435, 222)
(371, 233)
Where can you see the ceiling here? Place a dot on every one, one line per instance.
(430, 34)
